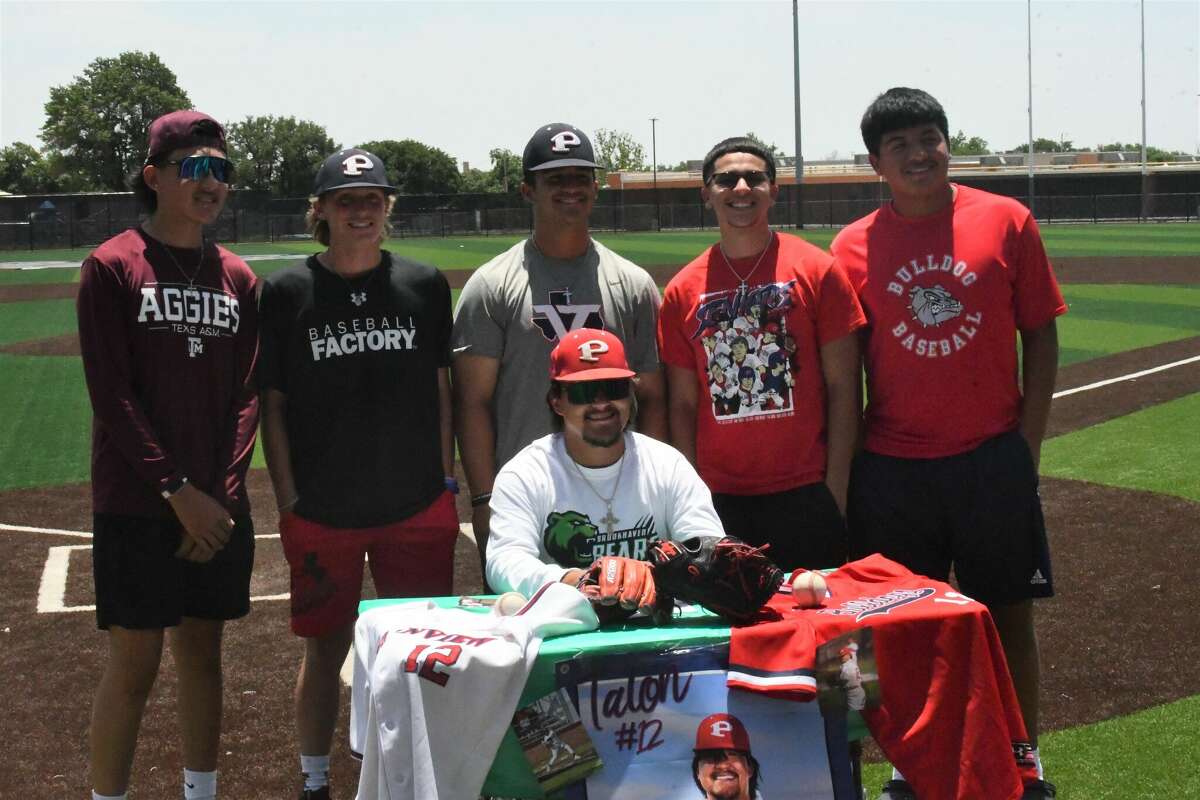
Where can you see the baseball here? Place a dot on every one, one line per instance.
(808, 589)
(509, 603)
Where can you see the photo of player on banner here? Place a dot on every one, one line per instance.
(666, 725)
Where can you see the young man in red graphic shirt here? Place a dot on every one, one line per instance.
(950, 278)
(168, 333)
(770, 429)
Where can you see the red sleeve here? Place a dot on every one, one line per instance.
(243, 417)
(674, 346)
(838, 311)
(1036, 296)
(105, 345)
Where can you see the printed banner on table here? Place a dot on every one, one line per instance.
(648, 713)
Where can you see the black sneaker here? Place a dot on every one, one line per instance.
(315, 794)
(1039, 790)
(898, 790)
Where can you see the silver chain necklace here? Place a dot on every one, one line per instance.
(359, 297)
(191, 279)
(728, 263)
(608, 519)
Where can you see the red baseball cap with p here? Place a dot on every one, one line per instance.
(588, 354)
(722, 732)
(186, 128)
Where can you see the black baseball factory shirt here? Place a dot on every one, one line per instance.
(358, 361)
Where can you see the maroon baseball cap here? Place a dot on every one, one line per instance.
(722, 732)
(588, 354)
(184, 128)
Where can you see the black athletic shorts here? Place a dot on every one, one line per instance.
(140, 584)
(802, 525)
(978, 511)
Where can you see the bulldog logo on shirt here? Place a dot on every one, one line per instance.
(933, 306)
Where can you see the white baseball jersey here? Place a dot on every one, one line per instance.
(436, 688)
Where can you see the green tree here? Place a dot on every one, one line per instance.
(960, 145)
(22, 169)
(279, 154)
(770, 148)
(505, 175)
(618, 150)
(416, 168)
(1042, 145)
(97, 123)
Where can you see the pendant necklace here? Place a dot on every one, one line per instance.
(742, 280)
(191, 279)
(608, 519)
(357, 297)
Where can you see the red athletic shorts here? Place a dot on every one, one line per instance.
(413, 558)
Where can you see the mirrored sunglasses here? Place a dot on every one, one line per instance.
(581, 393)
(727, 180)
(194, 168)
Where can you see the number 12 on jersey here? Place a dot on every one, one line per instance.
(424, 660)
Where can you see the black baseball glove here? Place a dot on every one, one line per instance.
(726, 576)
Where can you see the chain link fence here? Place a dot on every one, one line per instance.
(84, 220)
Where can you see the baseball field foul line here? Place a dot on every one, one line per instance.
(1131, 376)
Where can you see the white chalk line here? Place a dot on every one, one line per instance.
(52, 589)
(1131, 376)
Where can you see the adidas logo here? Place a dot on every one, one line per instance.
(1038, 578)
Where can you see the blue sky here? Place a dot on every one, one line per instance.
(467, 77)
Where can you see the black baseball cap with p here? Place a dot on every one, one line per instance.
(558, 144)
(350, 169)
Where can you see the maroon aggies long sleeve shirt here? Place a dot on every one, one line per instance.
(168, 353)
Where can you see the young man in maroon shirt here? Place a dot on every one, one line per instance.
(168, 333)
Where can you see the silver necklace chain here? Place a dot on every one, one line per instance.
(608, 519)
(191, 279)
(750, 274)
(357, 297)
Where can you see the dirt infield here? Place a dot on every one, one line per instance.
(1119, 636)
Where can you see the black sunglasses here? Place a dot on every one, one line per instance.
(582, 393)
(728, 180)
(194, 168)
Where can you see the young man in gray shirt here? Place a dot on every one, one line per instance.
(515, 308)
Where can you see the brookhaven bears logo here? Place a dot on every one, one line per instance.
(573, 540)
(933, 306)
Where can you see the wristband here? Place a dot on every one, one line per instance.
(480, 499)
(451, 484)
(173, 487)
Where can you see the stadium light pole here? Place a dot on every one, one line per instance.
(1029, 68)
(654, 170)
(796, 93)
(1145, 169)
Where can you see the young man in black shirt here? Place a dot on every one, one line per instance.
(354, 378)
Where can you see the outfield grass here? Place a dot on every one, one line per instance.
(1147, 450)
(1150, 754)
(45, 427)
(36, 319)
(1112, 318)
(669, 248)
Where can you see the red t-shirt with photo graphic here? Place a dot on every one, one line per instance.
(945, 296)
(755, 351)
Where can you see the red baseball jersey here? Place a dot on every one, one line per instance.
(945, 296)
(949, 719)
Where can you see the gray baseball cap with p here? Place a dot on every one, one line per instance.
(349, 169)
(558, 144)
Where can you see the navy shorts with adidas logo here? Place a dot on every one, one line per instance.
(978, 512)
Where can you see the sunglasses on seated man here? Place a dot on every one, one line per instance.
(194, 168)
(728, 180)
(581, 393)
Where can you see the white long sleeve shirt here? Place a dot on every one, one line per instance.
(549, 514)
